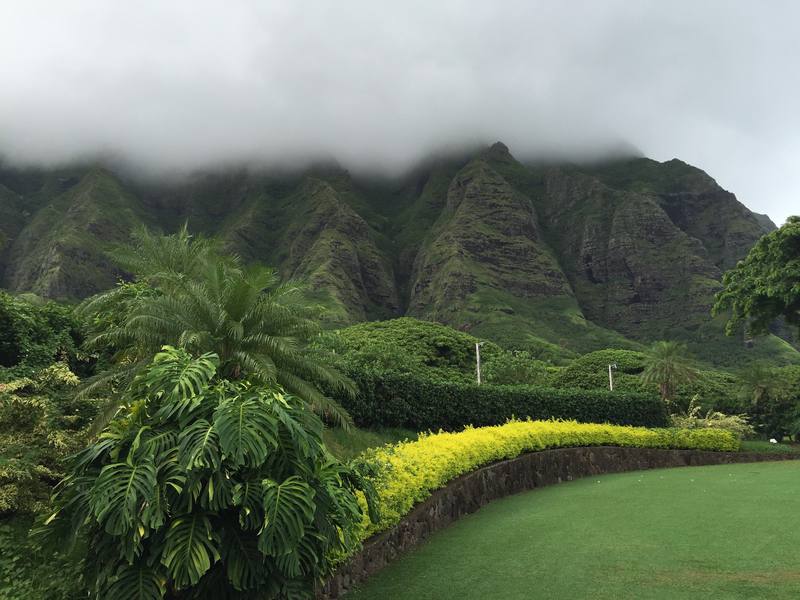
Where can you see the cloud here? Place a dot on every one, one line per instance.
(185, 85)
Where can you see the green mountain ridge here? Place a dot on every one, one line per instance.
(556, 259)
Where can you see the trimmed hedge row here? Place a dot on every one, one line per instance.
(400, 400)
(408, 472)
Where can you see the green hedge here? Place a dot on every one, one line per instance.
(400, 400)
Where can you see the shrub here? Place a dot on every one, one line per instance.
(590, 371)
(772, 398)
(34, 335)
(410, 471)
(693, 419)
(41, 424)
(717, 390)
(408, 346)
(395, 400)
(515, 368)
(206, 487)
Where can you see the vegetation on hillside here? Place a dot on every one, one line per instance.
(554, 261)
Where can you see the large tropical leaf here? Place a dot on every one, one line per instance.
(191, 548)
(217, 494)
(288, 510)
(247, 431)
(171, 482)
(179, 380)
(301, 561)
(120, 493)
(136, 582)
(244, 563)
(248, 497)
(198, 446)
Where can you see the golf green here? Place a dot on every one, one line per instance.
(730, 531)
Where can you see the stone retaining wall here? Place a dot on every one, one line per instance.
(469, 492)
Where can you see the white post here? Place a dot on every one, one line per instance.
(478, 360)
(611, 377)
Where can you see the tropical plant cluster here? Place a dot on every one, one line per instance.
(189, 294)
(695, 418)
(207, 487)
(410, 471)
(41, 424)
(388, 399)
(34, 334)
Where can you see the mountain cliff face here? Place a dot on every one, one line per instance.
(556, 259)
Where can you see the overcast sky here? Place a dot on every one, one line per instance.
(184, 85)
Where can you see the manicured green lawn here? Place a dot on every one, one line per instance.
(723, 532)
(762, 446)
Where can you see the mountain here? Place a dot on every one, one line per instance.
(556, 259)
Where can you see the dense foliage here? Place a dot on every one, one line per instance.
(41, 423)
(772, 399)
(410, 471)
(695, 418)
(766, 284)
(431, 351)
(30, 572)
(34, 334)
(208, 488)
(409, 346)
(517, 367)
(667, 366)
(191, 296)
(590, 371)
(398, 400)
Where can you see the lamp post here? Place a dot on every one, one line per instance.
(478, 360)
(611, 377)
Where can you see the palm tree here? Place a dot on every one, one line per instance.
(760, 383)
(189, 295)
(667, 366)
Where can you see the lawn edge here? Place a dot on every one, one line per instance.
(468, 493)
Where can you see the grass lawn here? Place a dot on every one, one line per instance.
(725, 532)
(762, 446)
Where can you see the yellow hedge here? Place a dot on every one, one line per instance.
(410, 471)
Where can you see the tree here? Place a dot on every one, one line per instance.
(770, 401)
(766, 284)
(187, 294)
(667, 366)
(207, 487)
